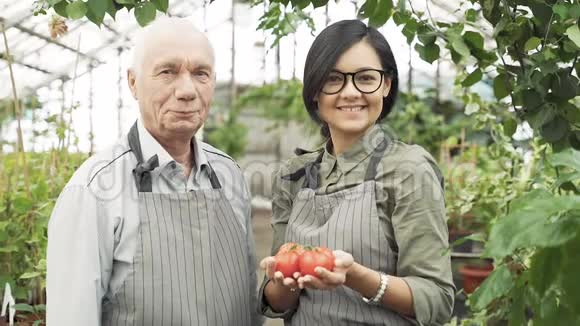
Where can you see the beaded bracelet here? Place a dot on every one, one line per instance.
(381, 291)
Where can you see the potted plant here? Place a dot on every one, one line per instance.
(476, 195)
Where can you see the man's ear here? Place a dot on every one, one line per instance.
(132, 80)
(387, 87)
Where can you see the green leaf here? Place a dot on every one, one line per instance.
(488, 5)
(410, 30)
(501, 86)
(471, 15)
(145, 13)
(570, 47)
(461, 48)
(125, 2)
(569, 158)
(300, 3)
(60, 8)
(566, 178)
(426, 36)
(40, 191)
(24, 307)
(161, 5)
(382, 13)
(28, 275)
(491, 10)
(428, 53)
(509, 127)
(574, 34)
(555, 129)
(545, 269)
(472, 78)
(517, 309)
(570, 283)
(368, 8)
(3, 224)
(477, 237)
(565, 86)
(455, 57)
(532, 43)
(319, 3)
(22, 204)
(542, 12)
(76, 10)
(401, 17)
(529, 225)
(8, 249)
(574, 140)
(111, 8)
(532, 100)
(37, 322)
(54, 2)
(574, 11)
(474, 40)
(523, 201)
(497, 284)
(561, 10)
(97, 10)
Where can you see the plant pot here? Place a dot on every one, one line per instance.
(24, 319)
(474, 275)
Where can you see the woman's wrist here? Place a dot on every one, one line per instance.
(363, 280)
(367, 282)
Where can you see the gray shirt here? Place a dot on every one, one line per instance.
(411, 209)
(93, 229)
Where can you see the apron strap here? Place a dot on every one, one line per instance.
(142, 171)
(309, 171)
(215, 182)
(376, 157)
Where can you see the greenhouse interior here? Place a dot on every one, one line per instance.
(474, 201)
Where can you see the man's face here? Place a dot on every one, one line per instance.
(174, 83)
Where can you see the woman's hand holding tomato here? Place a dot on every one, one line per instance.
(282, 269)
(326, 277)
(314, 257)
(311, 267)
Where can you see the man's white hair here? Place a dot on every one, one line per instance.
(162, 26)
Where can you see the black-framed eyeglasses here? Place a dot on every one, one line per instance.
(365, 81)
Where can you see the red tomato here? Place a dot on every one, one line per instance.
(326, 251)
(291, 246)
(287, 262)
(314, 257)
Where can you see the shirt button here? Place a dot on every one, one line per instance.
(173, 165)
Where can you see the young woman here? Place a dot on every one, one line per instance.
(377, 202)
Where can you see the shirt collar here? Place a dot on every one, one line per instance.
(357, 153)
(199, 155)
(150, 146)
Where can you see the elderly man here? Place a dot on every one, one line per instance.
(156, 230)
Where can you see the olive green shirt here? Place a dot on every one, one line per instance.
(411, 209)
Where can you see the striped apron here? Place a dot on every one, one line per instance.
(189, 267)
(345, 220)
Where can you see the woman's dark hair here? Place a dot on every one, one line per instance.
(328, 46)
